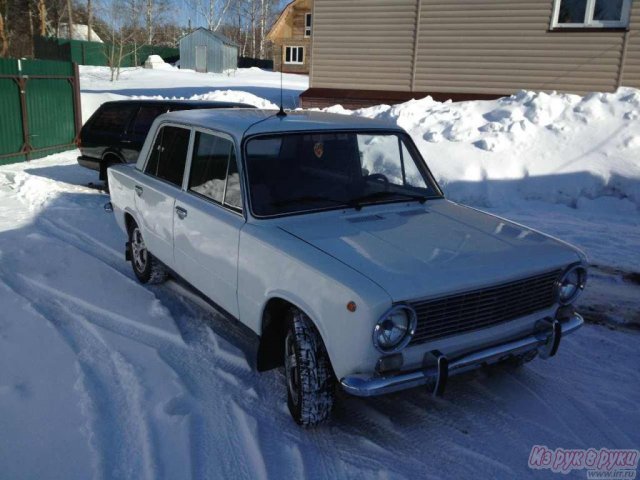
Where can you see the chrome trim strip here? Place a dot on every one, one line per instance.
(366, 385)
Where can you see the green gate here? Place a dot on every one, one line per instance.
(39, 108)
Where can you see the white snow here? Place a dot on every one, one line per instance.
(250, 85)
(80, 32)
(155, 62)
(101, 377)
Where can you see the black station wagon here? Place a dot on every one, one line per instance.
(116, 131)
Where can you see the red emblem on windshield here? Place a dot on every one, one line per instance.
(318, 149)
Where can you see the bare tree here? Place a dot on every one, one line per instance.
(70, 18)
(89, 20)
(123, 33)
(42, 17)
(4, 34)
(213, 11)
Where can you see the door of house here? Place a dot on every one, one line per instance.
(201, 58)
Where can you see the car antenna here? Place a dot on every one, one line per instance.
(281, 113)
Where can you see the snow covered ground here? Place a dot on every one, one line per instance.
(101, 377)
(250, 85)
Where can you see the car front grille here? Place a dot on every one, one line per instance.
(486, 307)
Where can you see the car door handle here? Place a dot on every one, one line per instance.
(181, 212)
(138, 189)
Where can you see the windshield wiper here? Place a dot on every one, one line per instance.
(357, 202)
(307, 199)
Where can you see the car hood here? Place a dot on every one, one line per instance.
(417, 251)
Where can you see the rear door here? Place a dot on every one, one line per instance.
(138, 129)
(155, 196)
(208, 220)
(105, 132)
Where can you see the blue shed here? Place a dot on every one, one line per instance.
(205, 51)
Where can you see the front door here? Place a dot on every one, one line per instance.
(208, 219)
(201, 58)
(157, 190)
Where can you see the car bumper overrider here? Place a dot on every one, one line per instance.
(545, 342)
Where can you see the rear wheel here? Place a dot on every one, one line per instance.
(310, 378)
(146, 267)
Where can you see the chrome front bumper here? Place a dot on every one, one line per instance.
(546, 342)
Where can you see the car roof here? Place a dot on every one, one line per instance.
(242, 123)
(190, 103)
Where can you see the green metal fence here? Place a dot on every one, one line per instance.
(39, 108)
(95, 53)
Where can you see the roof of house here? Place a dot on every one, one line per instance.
(80, 32)
(243, 122)
(282, 18)
(215, 35)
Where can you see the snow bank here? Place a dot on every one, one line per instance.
(219, 96)
(583, 152)
(155, 62)
(249, 85)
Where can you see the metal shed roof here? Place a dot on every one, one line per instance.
(218, 36)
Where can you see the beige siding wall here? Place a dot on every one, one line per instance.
(631, 72)
(363, 44)
(464, 46)
(498, 46)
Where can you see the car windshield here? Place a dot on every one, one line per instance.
(300, 172)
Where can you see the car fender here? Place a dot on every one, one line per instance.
(275, 264)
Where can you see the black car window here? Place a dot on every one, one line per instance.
(169, 154)
(145, 117)
(113, 118)
(214, 172)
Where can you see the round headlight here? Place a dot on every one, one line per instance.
(395, 329)
(571, 284)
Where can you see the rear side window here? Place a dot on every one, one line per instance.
(113, 119)
(145, 117)
(169, 155)
(214, 171)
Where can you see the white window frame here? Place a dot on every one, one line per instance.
(297, 60)
(308, 26)
(589, 22)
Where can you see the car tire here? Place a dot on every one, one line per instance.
(146, 267)
(309, 375)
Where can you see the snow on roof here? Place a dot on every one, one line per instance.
(80, 32)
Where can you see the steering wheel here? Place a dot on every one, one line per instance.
(379, 177)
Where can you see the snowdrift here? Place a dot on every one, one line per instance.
(583, 152)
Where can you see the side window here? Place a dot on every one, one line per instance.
(112, 119)
(214, 172)
(145, 117)
(169, 154)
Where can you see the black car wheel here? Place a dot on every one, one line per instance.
(310, 378)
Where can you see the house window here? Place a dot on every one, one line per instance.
(294, 55)
(307, 24)
(591, 13)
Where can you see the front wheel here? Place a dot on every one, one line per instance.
(310, 378)
(146, 267)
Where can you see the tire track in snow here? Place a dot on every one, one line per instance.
(218, 370)
(117, 424)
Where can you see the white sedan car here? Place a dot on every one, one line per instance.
(329, 238)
